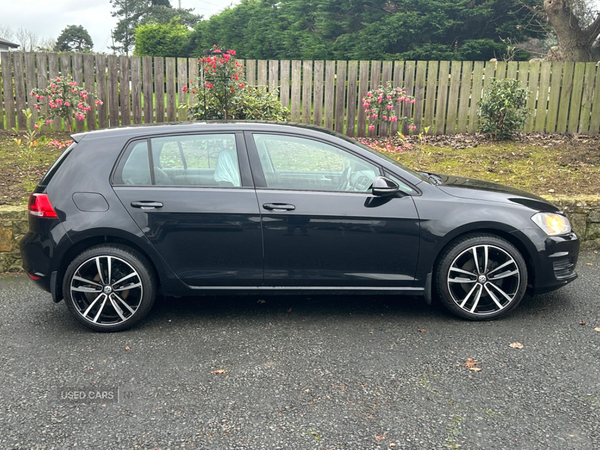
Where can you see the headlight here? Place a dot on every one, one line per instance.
(552, 224)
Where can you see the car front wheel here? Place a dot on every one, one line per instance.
(109, 288)
(481, 277)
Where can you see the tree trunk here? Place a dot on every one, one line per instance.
(576, 44)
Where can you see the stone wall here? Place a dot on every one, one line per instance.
(13, 225)
(583, 212)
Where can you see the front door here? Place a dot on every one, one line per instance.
(321, 225)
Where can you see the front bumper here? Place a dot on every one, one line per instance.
(556, 263)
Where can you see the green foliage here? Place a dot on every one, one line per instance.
(373, 30)
(154, 39)
(503, 109)
(74, 38)
(253, 103)
(222, 93)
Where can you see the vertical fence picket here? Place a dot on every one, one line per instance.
(20, 89)
(251, 72)
(170, 71)
(89, 80)
(136, 89)
(318, 93)
(576, 97)
(465, 93)
(306, 90)
(542, 101)
(453, 97)
(30, 84)
(374, 84)
(409, 86)
(586, 100)
(351, 109)
(296, 90)
(419, 94)
(101, 90)
(476, 93)
(556, 69)
(398, 81)
(442, 97)
(159, 73)
(42, 83)
(534, 74)
(124, 94)
(159, 88)
(273, 75)
(430, 95)
(565, 97)
(113, 91)
(386, 75)
(78, 78)
(182, 82)
(7, 84)
(363, 87)
(512, 69)
(329, 93)
(52, 74)
(340, 96)
(261, 77)
(284, 92)
(595, 119)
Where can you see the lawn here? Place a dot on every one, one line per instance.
(548, 165)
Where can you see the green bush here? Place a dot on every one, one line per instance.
(503, 109)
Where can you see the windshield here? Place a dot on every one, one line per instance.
(388, 159)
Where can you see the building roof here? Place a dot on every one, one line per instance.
(8, 43)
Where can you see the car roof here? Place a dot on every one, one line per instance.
(186, 127)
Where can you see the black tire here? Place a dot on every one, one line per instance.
(481, 277)
(109, 287)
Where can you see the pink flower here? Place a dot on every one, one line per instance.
(394, 119)
(371, 127)
(48, 121)
(67, 104)
(184, 89)
(57, 80)
(413, 100)
(384, 117)
(374, 116)
(390, 107)
(35, 127)
(369, 94)
(389, 97)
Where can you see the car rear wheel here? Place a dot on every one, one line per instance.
(481, 277)
(109, 288)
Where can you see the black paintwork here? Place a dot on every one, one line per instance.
(251, 237)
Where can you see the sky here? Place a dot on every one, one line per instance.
(48, 18)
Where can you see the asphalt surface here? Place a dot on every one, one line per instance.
(352, 372)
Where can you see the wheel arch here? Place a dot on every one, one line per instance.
(105, 238)
(512, 236)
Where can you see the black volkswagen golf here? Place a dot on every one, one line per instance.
(198, 208)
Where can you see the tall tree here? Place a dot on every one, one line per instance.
(155, 39)
(367, 29)
(132, 13)
(577, 28)
(74, 38)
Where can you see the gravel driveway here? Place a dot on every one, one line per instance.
(250, 372)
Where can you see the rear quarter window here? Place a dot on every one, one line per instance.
(54, 168)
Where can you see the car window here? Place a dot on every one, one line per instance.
(136, 169)
(403, 186)
(290, 162)
(196, 160)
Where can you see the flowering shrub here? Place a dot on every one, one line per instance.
(380, 105)
(65, 100)
(223, 94)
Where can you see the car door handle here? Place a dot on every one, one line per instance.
(147, 205)
(279, 207)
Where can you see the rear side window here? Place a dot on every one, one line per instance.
(205, 160)
(54, 168)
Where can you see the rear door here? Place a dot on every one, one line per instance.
(192, 196)
(321, 224)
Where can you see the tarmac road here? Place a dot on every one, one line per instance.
(347, 372)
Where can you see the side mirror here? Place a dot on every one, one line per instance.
(384, 187)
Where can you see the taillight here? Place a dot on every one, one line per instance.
(40, 206)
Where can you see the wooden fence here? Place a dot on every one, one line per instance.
(564, 97)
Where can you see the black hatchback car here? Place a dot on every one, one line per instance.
(196, 208)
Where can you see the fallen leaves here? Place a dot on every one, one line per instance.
(582, 322)
(421, 330)
(127, 347)
(471, 363)
(516, 345)
(597, 329)
(218, 372)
